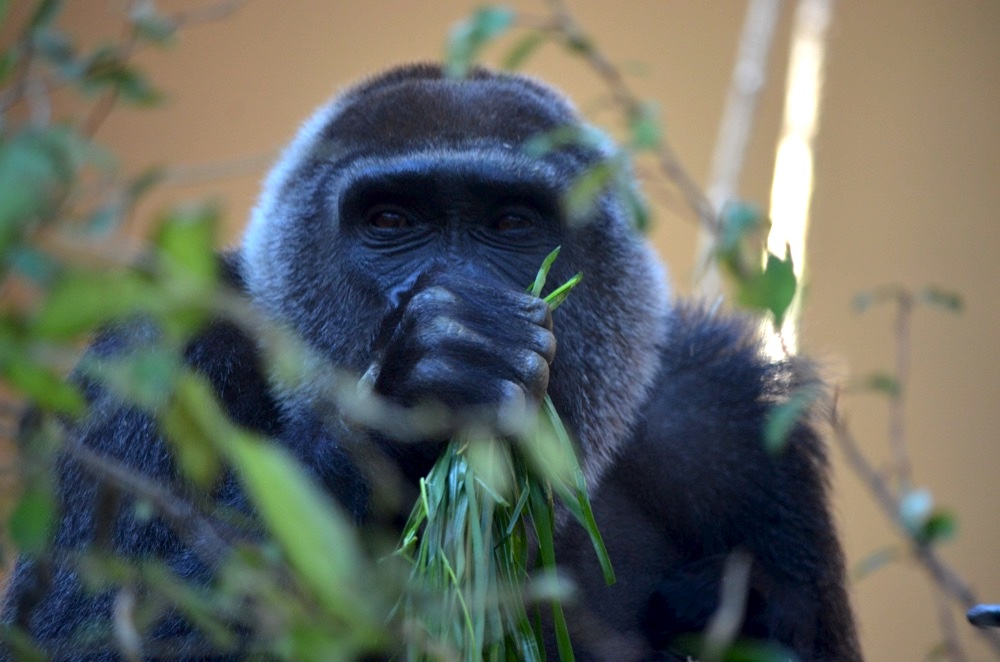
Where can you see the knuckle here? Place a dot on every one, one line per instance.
(538, 312)
(432, 296)
(431, 370)
(428, 304)
(544, 342)
(533, 370)
(444, 328)
(510, 395)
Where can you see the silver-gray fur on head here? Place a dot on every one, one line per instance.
(414, 117)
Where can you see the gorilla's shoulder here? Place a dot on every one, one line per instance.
(716, 373)
(221, 351)
(713, 347)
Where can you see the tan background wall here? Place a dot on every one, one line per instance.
(907, 192)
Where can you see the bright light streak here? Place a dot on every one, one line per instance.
(792, 187)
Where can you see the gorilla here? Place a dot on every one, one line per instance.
(396, 237)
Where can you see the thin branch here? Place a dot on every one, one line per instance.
(198, 531)
(130, 45)
(123, 617)
(208, 14)
(16, 90)
(749, 75)
(724, 625)
(897, 424)
(36, 93)
(630, 103)
(106, 103)
(946, 578)
(951, 644)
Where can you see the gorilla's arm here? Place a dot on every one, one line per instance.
(47, 598)
(449, 338)
(696, 483)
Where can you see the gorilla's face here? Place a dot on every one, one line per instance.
(404, 175)
(410, 216)
(412, 182)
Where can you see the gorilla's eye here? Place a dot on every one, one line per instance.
(515, 221)
(388, 219)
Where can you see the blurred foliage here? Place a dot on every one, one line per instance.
(303, 591)
(307, 587)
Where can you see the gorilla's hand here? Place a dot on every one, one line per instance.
(480, 350)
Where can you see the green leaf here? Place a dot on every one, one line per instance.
(31, 522)
(739, 220)
(21, 644)
(37, 167)
(876, 561)
(317, 537)
(568, 135)
(745, 650)
(646, 127)
(33, 263)
(782, 418)
(580, 505)
(582, 196)
(635, 203)
(559, 295)
(46, 389)
(186, 240)
(891, 293)
(45, 13)
(881, 382)
(31, 178)
(579, 43)
(144, 181)
(82, 301)
(144, 377)
(940, 526)
(542, 517)
(523, 49)
(193, 425)
(8, 60)
(152, 25)
(103, 219)
(468, 37)
(950, 301)
(543, 272)
(104, 69)
(55, 46)
(772, 290)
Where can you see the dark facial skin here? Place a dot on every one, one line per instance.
(454, 251)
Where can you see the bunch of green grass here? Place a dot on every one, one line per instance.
(473, 581)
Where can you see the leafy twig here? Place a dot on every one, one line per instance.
(749, 74)
(942, 574)
(623, 96)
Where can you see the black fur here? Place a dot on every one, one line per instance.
(396, 237)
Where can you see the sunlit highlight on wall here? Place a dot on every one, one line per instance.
(791, 190)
